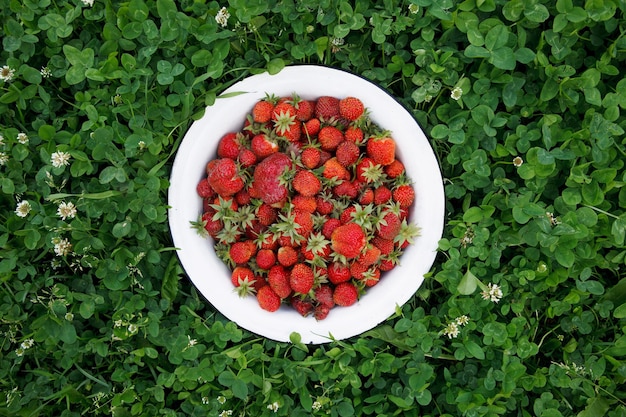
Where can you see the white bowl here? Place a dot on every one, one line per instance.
(212, 278)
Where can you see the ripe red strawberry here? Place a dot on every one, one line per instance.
(268, 299)
(304, 221)
(285, 122)
(321, 312)
(267, 182)
(324, 295)
(287, 256)
(386, 265)
(262, 111)
(382, 150)
(306, 183)
(265, 258)
(386, 246)
(370, 256)
(240, 252)
(212, 226)
(327, 107)
(246, 158)
(366, 197)
(367, 171)
(303, 203)
(357, 270)
(329, 227)
(345, 294)
(371, 277)
(311, 127)
(266, 214)
(351, 108)
(348, 240)
(354, 134)
(224, 177)
(346, 189)
(404, 195)
(278, 279)
(391, 226)
(243, 279)
(338, 272)
(229, 145)
(347, 216)
(310, 157)
(301, 278)
(263, 146)
(305, 109)
(382, 195)
(204, 189)
(242, 197)
(394, 169)
(347, 153)
(304, 307)
(284, 107)
(329, 138)
(333, 169)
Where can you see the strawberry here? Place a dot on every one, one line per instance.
(263, 146)
(329, 227)
(347, 215)
(321, 312)
(382, 195)
(357, 270)
(327, 107)
(262, 111)
(346, 189)
(268, 299)
(224, 177)
(311, 127)
(324, 204)
(241, 252)
(333, 169)
(390, 226)
(265, 258)
(285, 122)
(324, 295)
(301, 278)
(351, 108)
(348, 240)
(229, 145)
(266, 214)
(204, 189)
(329, 138)
(304, 307)
(354, 134)
(304, 222)
(368, 172)
(287, 256)
(386, 265)
(243, 280)
(371, 277)
(338, 272)
(303, 203)
(370, 256)
(347, 153)
(246, 158)
(345, 294)
(267, 178)
(310, 157)
(212, 226)
(394, 169)
(404, 195)
(306, 183)
(381, 149)
(278, 279)
(385, 246)
(305, 109)
(366, 197)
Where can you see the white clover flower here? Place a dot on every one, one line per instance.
(6, 73)
(132, 328)
(66, 210)
(226, 413)
(456, 93)
(428, 98)
(205, 400)
(23, 208)
(553, 219)
(19, 351)
(88, 2)
(273, 406)
(4, 158)
(27, 344)
(493, 293)
(462, 320)
(338, 41)
(413, 8)
(69, 316)
(451, 330)
(45, 72)
(221, 399)
(59, 159)
(316, 406)
(62, 247)
(117, 323)
(142, 145)
(518, 161)
(22, 138)
(191, 342)
(222, 17)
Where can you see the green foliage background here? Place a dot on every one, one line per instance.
(116, 327)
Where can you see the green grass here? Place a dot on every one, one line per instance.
(524, 102)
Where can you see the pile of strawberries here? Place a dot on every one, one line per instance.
(307, 203)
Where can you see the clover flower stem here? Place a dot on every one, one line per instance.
(90, 196)
(602, 211)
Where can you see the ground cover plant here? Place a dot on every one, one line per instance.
(523, 312)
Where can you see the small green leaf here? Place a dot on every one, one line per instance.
(468, 283)
(474, 349)
(275, 66)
